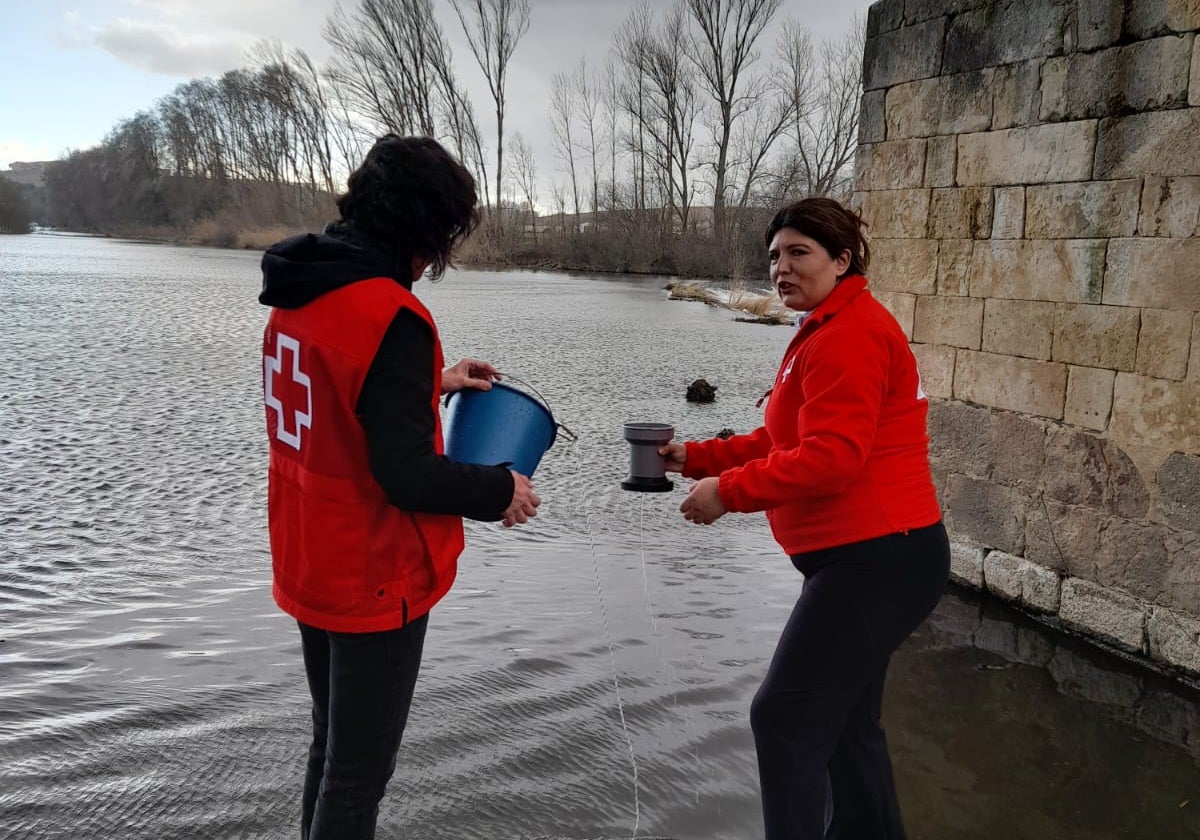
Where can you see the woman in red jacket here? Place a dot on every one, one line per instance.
(841, 468)
(364, 511)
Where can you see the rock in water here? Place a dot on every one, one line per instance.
(701, 392)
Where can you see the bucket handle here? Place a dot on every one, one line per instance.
(570, 435)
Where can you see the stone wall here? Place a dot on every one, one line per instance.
(1030, 170)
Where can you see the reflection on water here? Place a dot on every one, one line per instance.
(150, 689)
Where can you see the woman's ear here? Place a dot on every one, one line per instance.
(843, 262)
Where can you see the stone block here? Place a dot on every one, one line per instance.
(1153, 273)
(904, 265)
(959, 439)
(901, 306)
(1004, 34)
(1193, 373)
(990, 515)
(1066, 270)
(884, 16)
(1039, 154)
(1194, 84)
(1134, 558)
(1183, 571)
(904, 55)
(1090, 471)
(1025, 385)
(896, 214)
(956, 104)
(1018, 328)
(1016, 94)
(1098, 25)
(872, 127)
(941, 159)
(916, 11)
(1174, 639)
(1104, 612)
(1145, 76)
(1147, 18)
(1096, 336)
(1016, 579)
(1034, 647)
(1095, 209)
(1163, 343)
(1154, 413)
(1064, 537)
(954, 266)
(1153, 143)
(891, 165)
(935, 365)
(966, 564)
(961, 213)
(1018, 449)
(956, 321)
(1170, 206)
(1008, 214)
(1178, 482)
(1089, 397)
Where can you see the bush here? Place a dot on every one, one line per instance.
(15, 216)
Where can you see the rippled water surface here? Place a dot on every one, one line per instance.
(588, 677)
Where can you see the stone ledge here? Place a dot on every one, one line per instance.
(1016, 579)
(1108, 614)
(966, 564)
(1174, 639)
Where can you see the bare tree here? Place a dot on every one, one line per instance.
(826, 131)
(587, 90)
(673, 111)
(722, 49)
(633, 43)
(524, 176)
(393, 67)
(497, 27)
(562, 124)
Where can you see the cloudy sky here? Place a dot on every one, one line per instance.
(70, 70)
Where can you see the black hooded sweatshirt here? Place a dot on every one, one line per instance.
(394, 405)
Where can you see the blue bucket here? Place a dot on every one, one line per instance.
(503, 426)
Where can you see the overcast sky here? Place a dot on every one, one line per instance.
(70, 70)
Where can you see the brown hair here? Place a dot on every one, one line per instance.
(834, 227)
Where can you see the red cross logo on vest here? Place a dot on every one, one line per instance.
(288, 391)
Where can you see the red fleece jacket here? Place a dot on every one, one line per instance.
(843, 454)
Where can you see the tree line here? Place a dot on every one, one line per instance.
(668, 156)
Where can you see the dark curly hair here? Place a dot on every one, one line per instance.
(413, 194)
(834, 227)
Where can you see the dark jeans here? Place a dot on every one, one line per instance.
(816, 717)
(362, 686)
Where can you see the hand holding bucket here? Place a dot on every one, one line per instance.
(500, 427)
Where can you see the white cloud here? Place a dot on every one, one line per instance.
(12, 150)
(172, 49)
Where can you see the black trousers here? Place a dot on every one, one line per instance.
(362, 686)
(816, 717)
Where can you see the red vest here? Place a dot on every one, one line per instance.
(344, 558)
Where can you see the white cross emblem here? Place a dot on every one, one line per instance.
(292, 386)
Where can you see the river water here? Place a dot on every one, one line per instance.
(590, 674)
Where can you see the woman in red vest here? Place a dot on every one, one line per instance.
(841, 468)
(365, 512)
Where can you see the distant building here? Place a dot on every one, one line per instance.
(27, 173)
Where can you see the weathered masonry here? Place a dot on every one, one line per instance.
(1030, 170)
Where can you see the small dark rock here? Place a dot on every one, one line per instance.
(726, 433)
(701, 392)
